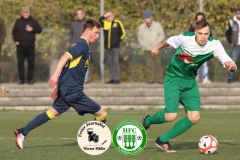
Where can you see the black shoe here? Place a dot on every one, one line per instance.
(116, 82)
(150, 82)
(143, 121)
(110, 82)
(229, 81)
(165, 146)
(30, 82)
(20, 82)
(104, 121)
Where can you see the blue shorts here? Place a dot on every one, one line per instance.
(79, 101)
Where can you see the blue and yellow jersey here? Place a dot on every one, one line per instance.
(72, 76)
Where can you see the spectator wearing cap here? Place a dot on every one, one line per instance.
(114, 33)
(150, 33)
(24, 35)
(2, 38)
(233, 38)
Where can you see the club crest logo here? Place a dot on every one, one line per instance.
(94, 137)
(185, 57)
(129, 137)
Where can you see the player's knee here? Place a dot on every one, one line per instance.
(52, 115)
(170, 116)
(194, 118)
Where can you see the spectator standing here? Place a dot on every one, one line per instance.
(24, 35)
(2, 38)
(150, 33)
(76, 31)
(233, 37)
(114, 33)
(204, 67)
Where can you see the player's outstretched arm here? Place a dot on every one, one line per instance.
(62, 62)
(155, 50)
(230, 66)
(221, 54)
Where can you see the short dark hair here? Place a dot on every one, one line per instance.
(198, 14)
(80, 9)
(90, 23)
(237, 10)
(201, 24)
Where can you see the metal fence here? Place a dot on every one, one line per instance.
(51, 44)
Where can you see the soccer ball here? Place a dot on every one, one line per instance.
(208, 144)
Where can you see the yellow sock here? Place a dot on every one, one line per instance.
(50, 115)
(101, 118)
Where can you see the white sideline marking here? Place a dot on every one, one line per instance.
(175, 140)
(2, 138)
(35, 112)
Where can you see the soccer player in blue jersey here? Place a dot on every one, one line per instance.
(180, 86)
(67, 84)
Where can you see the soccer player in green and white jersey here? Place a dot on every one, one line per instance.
(192, 50)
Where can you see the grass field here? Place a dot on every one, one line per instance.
(57, 139)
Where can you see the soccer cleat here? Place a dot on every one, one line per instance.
(143, 121)
(19, 138)
(165, 146)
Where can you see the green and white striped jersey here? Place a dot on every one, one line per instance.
(189, 56)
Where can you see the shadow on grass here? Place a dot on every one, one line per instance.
(59, 145)
(188, 145)
(56, 145)
(178, 146)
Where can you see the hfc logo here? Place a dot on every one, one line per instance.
(129, 137)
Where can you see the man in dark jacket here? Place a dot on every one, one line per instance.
(114, 33)
(2, 38)
(76, 30)
(23, 34)
(233, 37)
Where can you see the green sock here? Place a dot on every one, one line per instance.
(180, 127)
(157, 118)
